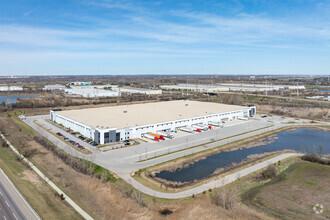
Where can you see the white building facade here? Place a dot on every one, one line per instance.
(103, 135)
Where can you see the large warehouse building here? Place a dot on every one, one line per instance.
(117, 123)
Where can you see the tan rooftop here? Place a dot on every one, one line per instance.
(144, 114)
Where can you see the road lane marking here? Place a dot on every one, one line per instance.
(15, 216)
(7, 203)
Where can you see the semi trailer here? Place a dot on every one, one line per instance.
(201, 126)
(216, 123)
(242, 118)
(160, 137)
(187, 129)
(151, 137)
(165, 134)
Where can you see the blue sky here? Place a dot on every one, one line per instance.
(39, 37)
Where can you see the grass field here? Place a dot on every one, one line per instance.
(14, 117)
(294, 192)
(36, 191)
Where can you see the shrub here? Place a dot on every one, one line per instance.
(316, 159)
(226, 197)
(80, 165)
(270, 172)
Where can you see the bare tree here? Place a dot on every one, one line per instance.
(226, 197)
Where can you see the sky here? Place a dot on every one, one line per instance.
(58, 37)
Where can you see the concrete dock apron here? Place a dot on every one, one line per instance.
(124, 161)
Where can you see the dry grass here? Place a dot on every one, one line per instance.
(297, 112)
(295, 191)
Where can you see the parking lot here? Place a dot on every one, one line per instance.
(123, 161)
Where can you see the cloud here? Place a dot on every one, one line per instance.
(116, 4)
(27, 13)
(186, 33)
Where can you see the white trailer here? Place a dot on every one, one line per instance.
(201, 127)
(242, 118)
(165, 134)
(187, 129)
(216, 123)
(151, 137)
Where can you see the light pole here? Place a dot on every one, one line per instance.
(146, 150)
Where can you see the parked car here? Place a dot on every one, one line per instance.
(264, 116)
(66, 139)
(127, 143)
(59, 134)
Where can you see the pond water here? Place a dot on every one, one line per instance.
(318, 90)
(14, 97)
(302, 140)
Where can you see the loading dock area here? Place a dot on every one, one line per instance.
(118, 123)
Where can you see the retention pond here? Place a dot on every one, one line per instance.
(301, 140)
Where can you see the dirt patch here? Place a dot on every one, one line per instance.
(31, 177)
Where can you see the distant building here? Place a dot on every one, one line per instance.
(132, 90)
(317, 97)
(195, 87)
(222, 87)
(92, 93)
(107, 87)
(54, 87)
(79, 83)
(258, 87)
(11, 88)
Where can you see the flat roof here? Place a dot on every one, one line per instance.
(146, 113)
(139, 89)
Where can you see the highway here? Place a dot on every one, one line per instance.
(12, 205)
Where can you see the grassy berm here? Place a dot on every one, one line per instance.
(294, 192)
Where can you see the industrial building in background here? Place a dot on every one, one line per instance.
(118, 123)
(92, 92)
(195, 87)
(131, 90)
(54, 87)
(80, 83)
(11, 88)
(224, 87)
